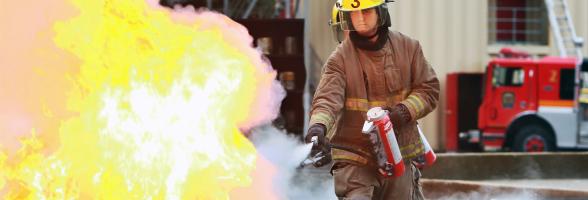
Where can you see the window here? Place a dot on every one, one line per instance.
(566, 84)
(508, 76)
(517, 22)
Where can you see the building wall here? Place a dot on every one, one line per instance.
(453, 33)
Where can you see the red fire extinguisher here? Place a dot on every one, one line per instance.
(381, 133)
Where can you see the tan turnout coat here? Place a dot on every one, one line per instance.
(354, 80)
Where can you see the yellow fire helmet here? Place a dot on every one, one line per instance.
(335, 24)
(346, 7)
(354, 5)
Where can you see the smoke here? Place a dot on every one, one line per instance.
(286, 152)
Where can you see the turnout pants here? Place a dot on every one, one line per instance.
(361, 182)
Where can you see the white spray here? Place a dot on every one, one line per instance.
(286, 152)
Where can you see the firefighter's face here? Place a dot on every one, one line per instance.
(364, 21)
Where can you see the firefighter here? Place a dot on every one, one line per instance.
(372, 67)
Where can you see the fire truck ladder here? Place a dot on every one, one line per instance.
(568, 43)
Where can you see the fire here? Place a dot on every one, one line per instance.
(159, 100)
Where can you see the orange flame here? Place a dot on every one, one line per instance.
(150, 108)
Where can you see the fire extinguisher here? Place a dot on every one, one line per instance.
(381, 133)
(429, 157)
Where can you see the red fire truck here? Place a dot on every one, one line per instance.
(518, 104)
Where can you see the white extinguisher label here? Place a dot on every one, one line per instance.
(424, 140)
(392, 140)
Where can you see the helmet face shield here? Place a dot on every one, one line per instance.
(347, 22)
(338, 34)
(335, 24)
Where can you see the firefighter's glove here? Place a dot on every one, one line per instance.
(318, 130)
(399, 115)
(321, 148)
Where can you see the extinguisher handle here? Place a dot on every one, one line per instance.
(314, 140)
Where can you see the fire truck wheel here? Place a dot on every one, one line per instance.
(533, 138)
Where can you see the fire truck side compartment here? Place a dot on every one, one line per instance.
(557, 105)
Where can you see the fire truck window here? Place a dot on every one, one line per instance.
(566, 84)
(508, 76)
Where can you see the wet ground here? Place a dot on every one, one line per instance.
(318, 183)
(564, 184)
(478, 176)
